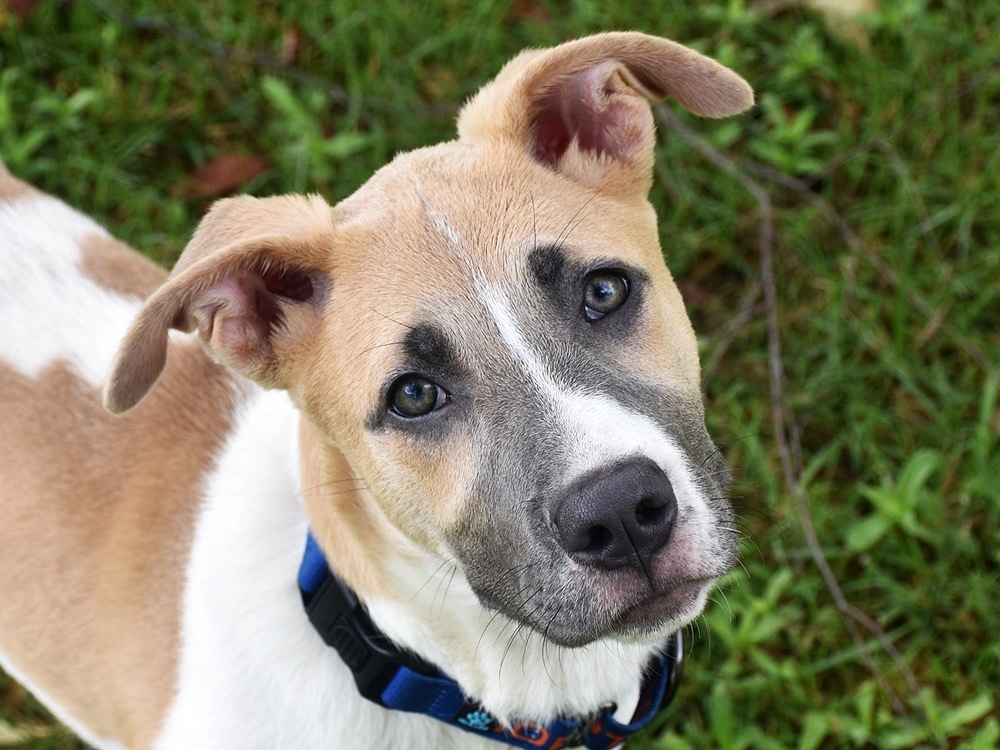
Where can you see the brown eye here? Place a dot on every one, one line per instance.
(414, 396)
(603, 293)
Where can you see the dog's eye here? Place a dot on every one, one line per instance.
(414, 396)
(603, 293)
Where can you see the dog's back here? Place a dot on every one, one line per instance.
(59, 503)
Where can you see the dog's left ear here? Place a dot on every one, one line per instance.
(582, 108)
(252, 283)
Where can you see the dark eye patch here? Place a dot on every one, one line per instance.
(585, 292)
(547, 265)
(430, 375)
(428, 349)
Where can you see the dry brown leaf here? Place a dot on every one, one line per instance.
(693, 293)
(21, 8)
(224, 175)
(291, 40)
(534, 11)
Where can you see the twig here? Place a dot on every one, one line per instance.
(745, 310)
(858, 247)
(786, 433)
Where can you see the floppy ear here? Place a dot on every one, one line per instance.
(582, 108)
(251, 282)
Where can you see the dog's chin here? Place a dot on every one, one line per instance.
(646, 619)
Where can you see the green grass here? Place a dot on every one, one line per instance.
(881, 167)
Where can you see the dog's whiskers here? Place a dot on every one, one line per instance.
(429, 579)
(510, 642)
(451, 577)
(498, 612)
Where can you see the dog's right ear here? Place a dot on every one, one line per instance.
(252, 282)
(582, 108)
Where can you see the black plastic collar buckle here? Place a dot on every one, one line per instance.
(343, 624)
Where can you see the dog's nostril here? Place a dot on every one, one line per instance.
(598, 539)
(650, 511)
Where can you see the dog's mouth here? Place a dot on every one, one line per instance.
(615, 609)
(617, 555)
(672, 603)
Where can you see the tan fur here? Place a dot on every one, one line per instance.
(503, 108)
(89, 519)
(249, 231)
(12, 189)
(93, 518)
(101, 261)
(342, 506)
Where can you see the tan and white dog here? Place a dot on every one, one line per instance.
(473, 380)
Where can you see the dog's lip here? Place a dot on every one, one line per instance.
(669, 602)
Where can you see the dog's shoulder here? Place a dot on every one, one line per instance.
(89, 496)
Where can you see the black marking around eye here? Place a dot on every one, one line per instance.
(548, 264)
(562, 280)
(428, 351)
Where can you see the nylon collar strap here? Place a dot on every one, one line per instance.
(397, 680)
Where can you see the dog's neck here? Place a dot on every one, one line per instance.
(429, 609)
(398, 681)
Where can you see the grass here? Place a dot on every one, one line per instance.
(876, 166)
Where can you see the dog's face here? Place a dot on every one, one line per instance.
(509, 362)
(487, 333)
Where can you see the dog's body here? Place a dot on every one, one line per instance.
(449, 378)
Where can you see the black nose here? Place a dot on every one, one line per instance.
(619, 517)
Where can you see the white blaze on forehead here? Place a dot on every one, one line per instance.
(498, 305)
(441, 224)
(598, 430)
(49, 309)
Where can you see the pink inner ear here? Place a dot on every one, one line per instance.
(599, 108)
(235, 311)
(250, 295)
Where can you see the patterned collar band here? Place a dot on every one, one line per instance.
(400, 681)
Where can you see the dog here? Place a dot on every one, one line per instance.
(450, 427)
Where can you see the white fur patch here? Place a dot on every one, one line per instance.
(253, 672)
(498, 304)
(514, 672)
(444, 227)
(49, 310)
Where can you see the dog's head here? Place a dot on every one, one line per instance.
(487, 335)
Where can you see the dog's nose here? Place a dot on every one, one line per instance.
(618, 517)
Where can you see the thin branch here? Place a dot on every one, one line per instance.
(786, 433)
(858, 247)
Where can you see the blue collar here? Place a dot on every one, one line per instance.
(400, 681)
